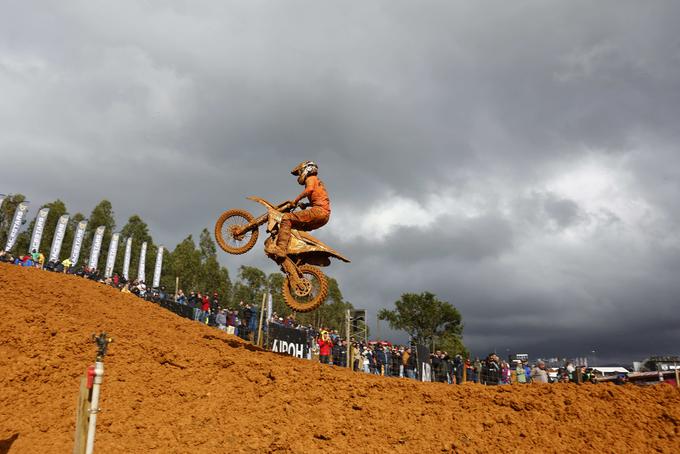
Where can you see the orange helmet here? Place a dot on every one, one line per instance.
(304, 169)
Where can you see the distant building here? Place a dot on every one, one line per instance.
(657, 364)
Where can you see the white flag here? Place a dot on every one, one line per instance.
(77, 242)
(19, 215)
(58, 238)
(38, 229)
(111, 256)
(96, 247)
(157, 269)
(270, 308)
(126, 258)
(142, 263)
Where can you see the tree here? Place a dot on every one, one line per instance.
(334, 310)
(212, 276)
(102, 214)
(275, 287)
(185, 262)
(197, 269)
(251, 285)
(425, 318)
(207, 246)
(7, 210)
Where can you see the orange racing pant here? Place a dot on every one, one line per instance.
(307, 220)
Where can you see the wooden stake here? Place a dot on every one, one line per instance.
(82, 417)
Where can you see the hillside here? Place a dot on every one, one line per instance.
(175, 386)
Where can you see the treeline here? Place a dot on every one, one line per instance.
(195, 265)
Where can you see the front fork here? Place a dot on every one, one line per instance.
(299, 285)
(257, 222)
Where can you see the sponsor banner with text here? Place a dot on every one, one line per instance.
(58, 239)
(38, 229)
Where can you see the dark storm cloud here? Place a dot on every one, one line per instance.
(519, 159)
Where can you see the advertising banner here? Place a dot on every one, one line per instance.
(111, 256)
(38, 229)
(96, 247)
(58, 239)
(290, 341)
(157, 270)
(142, 263)
(19, 215)
(126, 258)
(77, 242)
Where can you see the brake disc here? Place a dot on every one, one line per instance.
(303, 287)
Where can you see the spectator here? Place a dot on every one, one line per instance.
(539, 374)
(214, 303)
(408, 364)
(221, 320)
(505, 373)
(340, 353)
(325, 346)
(205, 309)
(182, 299)
(379, 356)
(491, 370)
(395, 367)
(357, 359)
(367, 359)
(520, 373)
(458, 366)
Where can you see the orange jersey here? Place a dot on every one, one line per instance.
(315, 191)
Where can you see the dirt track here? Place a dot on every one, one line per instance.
(172, 385)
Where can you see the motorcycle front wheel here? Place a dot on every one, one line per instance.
(318, 290)
(225, 232)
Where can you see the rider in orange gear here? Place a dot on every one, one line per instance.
(312, 218)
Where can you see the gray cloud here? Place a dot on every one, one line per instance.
(518, 159)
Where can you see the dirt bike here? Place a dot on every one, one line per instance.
(305, 287)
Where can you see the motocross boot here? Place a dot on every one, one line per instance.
(281, 248)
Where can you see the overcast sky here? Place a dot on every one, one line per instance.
(518, 159)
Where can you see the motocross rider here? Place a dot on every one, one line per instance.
(317, 213)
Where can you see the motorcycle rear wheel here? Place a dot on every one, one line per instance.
(318, 293)
(225, 226)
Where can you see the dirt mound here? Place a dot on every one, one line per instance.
(172, 385)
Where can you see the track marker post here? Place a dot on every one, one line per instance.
(88, 399)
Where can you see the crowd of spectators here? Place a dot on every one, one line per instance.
(325, 345)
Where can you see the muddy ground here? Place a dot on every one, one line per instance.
(175, 386)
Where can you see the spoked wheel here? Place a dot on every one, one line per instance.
(227, 232)
(310, 294)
